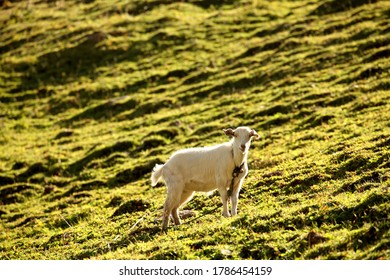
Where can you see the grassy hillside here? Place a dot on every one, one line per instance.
(94, 93)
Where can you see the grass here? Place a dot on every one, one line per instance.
(94, 93)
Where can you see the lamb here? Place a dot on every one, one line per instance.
(205, 169)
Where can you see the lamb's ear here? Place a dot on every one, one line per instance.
(229, 132)
(254, 134)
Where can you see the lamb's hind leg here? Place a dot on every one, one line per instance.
(166, 215)
(185, 197)
(175, 188)
(170, 207)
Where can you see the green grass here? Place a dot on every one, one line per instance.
(94, 93)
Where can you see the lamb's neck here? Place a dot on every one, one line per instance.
(239, 157)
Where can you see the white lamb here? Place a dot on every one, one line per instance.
(221, 167)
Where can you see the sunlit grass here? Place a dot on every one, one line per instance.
(94, 93)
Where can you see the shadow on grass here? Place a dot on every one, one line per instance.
(106, 110)
(143, 7)
(139, 235)
(68, 64)
(360, 239)
(133, 174)
(335, 6)
(77, 167)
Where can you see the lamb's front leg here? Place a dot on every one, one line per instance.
(225, 200)
(235, 193)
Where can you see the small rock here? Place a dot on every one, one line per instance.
(185, 214)
(315, 238)
(96, 37)
(48, 189)
(131, 207)
(226, 252)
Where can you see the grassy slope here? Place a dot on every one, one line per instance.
(94, 93)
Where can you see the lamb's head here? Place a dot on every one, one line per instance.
(242, 137)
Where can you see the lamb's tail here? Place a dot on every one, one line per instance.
(156, 174)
